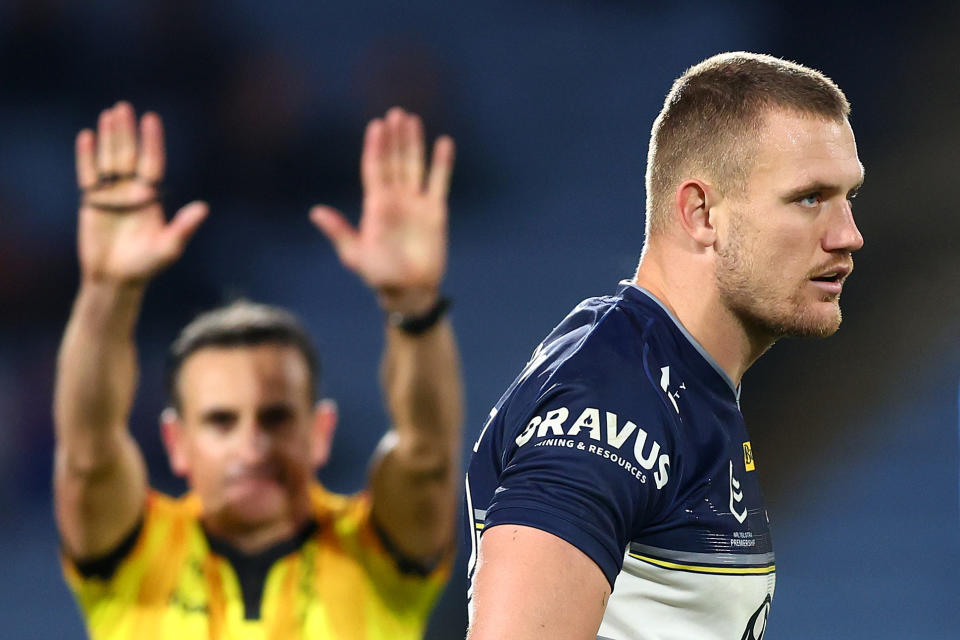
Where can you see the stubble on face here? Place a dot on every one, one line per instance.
(763, 305)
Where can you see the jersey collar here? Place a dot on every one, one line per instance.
(626, 285)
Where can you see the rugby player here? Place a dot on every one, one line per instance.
(613, 493)
(256, 548)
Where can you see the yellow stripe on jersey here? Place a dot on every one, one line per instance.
(705, 569)
(342, 583)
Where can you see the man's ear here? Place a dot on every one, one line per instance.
(693, 206)
(324, 424)
(174, 441)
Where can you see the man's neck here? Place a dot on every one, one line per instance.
(692, 297)
(249, 545)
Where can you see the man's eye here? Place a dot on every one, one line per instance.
(221, 420)
(276, 417)
(810, 200)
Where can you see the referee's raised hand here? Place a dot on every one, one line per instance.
(400, 246)
(123, 235)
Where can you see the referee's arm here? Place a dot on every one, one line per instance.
(530, 584)
(414, 482)
(399, 249)
(100, 479)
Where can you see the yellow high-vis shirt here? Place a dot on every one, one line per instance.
(341, 583)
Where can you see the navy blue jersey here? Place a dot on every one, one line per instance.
(623, 437)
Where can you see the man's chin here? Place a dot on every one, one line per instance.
(251, 506)
(811, 320)
(249, 516)
(817, 322)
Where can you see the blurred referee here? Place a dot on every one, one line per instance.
(256, 548)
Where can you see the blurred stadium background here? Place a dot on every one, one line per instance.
(550, 103)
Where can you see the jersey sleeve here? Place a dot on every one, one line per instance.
(586, 464)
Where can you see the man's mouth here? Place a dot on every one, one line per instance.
(827, 277)
(831, 279)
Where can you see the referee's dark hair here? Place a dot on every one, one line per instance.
(239, 324)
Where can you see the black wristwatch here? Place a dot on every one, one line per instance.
(419, 323)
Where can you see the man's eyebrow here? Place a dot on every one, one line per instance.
(818, 186)
(282, 406)
(217, 413)
(811, 187)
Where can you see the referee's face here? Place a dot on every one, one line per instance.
(249, 439)
(785, 249)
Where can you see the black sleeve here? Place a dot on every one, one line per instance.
(106, 565)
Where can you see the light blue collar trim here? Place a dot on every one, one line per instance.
(693, 341)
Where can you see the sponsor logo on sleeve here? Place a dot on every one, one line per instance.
(600, 433)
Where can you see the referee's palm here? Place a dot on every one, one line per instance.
(401, 241)
(123, 236)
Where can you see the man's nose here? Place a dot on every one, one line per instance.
(254, 443)
(843, 234)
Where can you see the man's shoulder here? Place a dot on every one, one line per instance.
(600, 350)
(592, 379)
(622, 317)
(163, 505)
(167, 527)
(327, 503)
(349, 515)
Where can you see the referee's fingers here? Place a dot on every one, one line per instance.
(84, 150)
(183, 225)
(150, 164)
(105, 161)
(441, 167)
(340, 233)
(413, 150)
(125, 138)
(372, 159)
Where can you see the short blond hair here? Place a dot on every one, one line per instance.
(715, 112)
